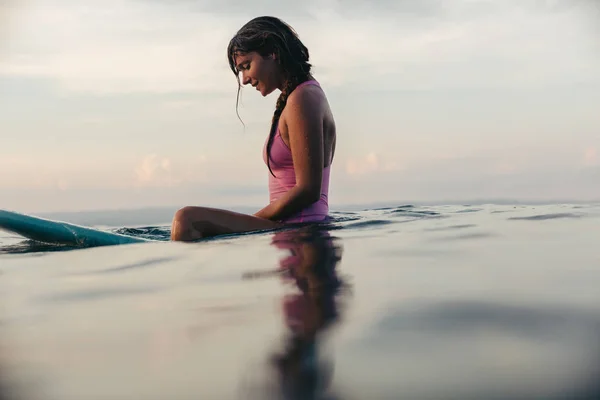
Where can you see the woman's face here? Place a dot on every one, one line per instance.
(261, 72)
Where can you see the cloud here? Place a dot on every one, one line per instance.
(468, 179)
(26, 172)
(5, 18)
(369, 164)
(9, 17)
(408, 77)
(151, 171)
(462, 165)
(22, 171)
(53, 173)
(154, 170)
(590, 157)
(155, 47)
(141, 49)
(239, 8)
(403, 9)
(500, 46)
(157, 171)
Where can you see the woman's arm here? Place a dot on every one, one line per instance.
(304, 121)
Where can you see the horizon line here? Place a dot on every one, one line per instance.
(343, 206)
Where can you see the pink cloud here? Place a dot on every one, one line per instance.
(590, 157)
(372, 162)
(158, 171)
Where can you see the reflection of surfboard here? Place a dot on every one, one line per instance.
(56, 232)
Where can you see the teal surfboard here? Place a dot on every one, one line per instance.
(57, 232)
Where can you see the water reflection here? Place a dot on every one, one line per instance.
(299, 367)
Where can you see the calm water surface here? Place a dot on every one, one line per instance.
(444, 302)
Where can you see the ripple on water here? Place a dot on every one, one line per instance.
(465, 236)
(403, 207)
(466, 316)
(543, 217)
(148, 232)
(451, 227)
(94, 294)
(468, 210)
(131, 266)
(29, 247)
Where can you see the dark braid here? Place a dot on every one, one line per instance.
(288, 88)
(270, 35)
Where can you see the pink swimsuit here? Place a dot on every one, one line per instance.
(282, 165)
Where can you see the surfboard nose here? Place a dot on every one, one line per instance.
(58, 232)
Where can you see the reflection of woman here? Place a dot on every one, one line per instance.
(311, 266)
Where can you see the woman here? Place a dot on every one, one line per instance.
(300, 147)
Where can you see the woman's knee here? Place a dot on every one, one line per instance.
(188, 214)
(182, 225)
(182, 215)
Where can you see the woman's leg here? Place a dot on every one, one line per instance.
(192, 223)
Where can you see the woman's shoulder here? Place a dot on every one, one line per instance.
(308, 98)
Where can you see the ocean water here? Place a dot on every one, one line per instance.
(407, 302)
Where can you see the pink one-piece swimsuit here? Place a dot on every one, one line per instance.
(282, 165)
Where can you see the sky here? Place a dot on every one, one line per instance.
(131, 103)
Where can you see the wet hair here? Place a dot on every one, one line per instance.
(269, 35)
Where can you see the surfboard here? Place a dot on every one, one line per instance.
(58, 232)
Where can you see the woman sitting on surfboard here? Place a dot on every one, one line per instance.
(300, 147)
